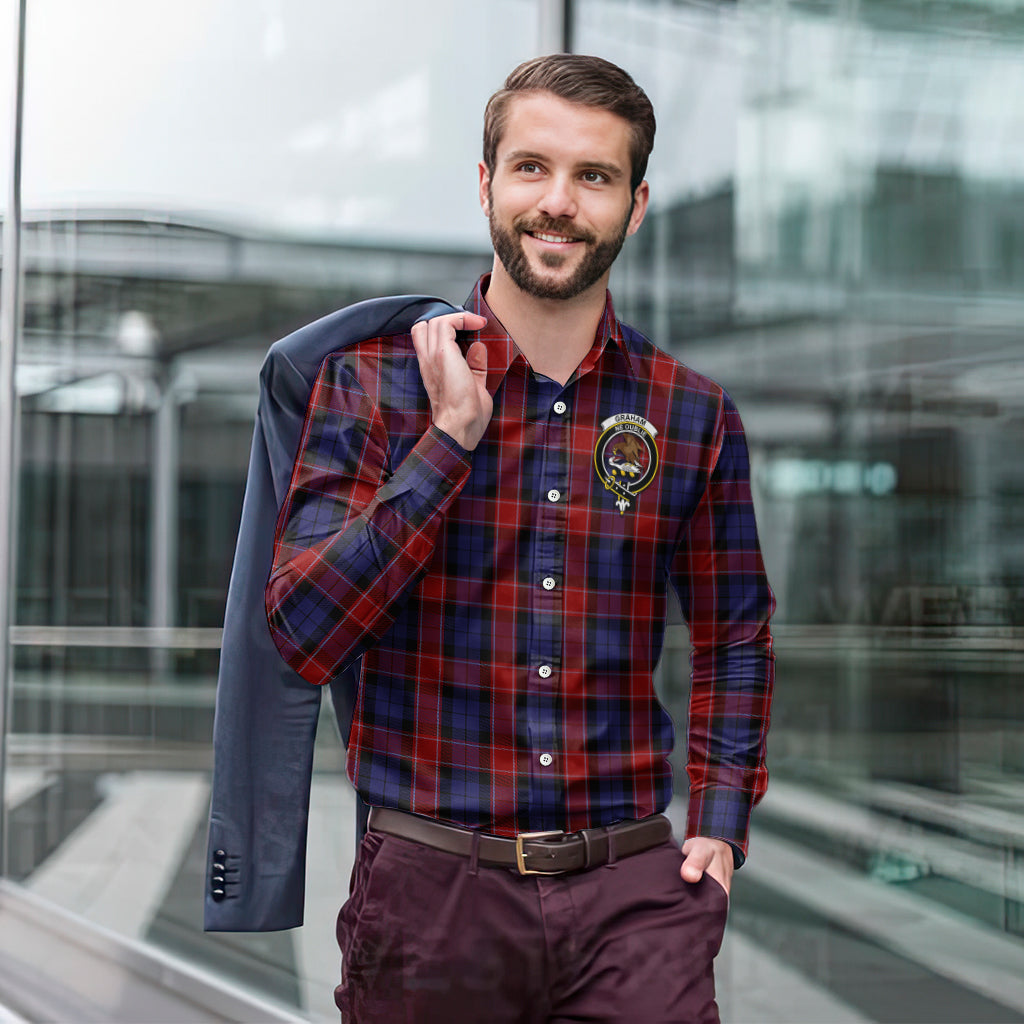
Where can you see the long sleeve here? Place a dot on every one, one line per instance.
(719, 576)
(353, 537)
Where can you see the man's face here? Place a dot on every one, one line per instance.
(559, 203)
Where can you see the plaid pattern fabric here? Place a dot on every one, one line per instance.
(509, 603)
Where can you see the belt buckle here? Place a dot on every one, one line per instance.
(521, 855)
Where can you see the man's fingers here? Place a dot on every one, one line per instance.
(448, 324)
(473, 321)
(441, 330)
(432, 338)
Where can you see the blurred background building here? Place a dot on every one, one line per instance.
(836, 236)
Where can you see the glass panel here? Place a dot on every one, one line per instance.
(836, 236)
(354, 120)
(8, 26)
(200, 179)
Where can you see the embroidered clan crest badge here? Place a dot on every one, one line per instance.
(626, 457)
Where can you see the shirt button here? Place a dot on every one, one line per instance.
(548, 583)
(554, 495)
(545, 759)
(560, 407)
(544, 671)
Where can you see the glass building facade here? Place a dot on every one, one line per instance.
(836, 235)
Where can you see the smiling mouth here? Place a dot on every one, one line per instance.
(546, 237)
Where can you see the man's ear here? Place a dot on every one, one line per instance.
(641, 197)
(485, 184)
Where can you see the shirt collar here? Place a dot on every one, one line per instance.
(502, 350)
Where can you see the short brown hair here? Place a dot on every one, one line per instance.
(577, 78)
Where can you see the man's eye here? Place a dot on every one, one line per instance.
(593, 177)
(529, 168)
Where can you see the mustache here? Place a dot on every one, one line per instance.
(552, 226)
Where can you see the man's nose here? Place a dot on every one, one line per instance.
(559, 199)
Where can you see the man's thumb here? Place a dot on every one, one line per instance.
(477, 357)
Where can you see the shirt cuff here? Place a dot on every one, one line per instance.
(449, 442)
(720, 813)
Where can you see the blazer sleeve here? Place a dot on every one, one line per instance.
(266, 715)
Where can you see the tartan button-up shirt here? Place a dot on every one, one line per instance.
(509, 603)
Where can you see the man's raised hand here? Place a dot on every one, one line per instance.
(456, 385)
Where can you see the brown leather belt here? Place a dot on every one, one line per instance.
(530, 853)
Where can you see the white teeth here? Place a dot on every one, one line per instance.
(551, 238)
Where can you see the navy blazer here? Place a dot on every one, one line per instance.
(266, 714)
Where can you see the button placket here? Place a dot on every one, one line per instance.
(550, 508)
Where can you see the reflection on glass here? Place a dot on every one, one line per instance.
(836, 237)
(200, 179)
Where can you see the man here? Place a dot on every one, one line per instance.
(490, 512)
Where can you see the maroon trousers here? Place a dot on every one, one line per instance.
(431, 938)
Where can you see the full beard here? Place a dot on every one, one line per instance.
(599, 256)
